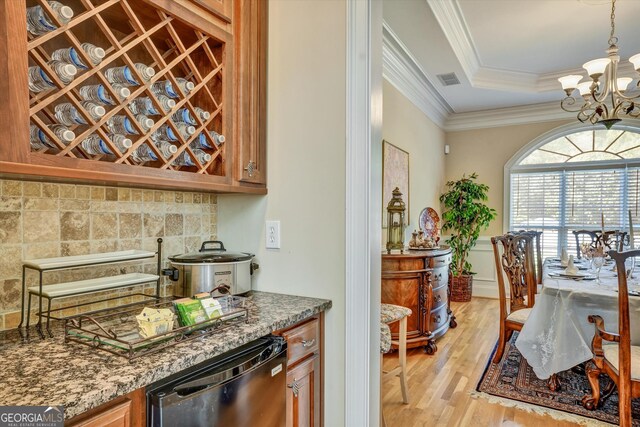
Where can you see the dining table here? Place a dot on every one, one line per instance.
(557, 334)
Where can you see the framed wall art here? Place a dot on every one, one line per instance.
(395, 173)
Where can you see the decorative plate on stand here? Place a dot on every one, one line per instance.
(429, 222)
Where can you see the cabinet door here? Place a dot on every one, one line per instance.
(114, 416)
(221, 8)
(404, 289)
(303, 394)
(250, 37)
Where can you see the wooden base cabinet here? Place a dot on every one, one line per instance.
(420, 281)
(124, 411)
(305, 372)
(303, 389)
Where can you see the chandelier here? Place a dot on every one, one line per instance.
(603, 99)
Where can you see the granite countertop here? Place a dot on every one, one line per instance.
(50, 372)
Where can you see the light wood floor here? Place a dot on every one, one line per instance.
(439, 385)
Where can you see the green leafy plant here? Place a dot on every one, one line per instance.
(465, 216)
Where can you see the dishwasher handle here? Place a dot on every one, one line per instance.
(229, 371)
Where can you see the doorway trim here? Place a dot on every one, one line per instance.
(363, 218)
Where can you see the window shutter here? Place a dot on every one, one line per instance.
(592, 193)
(562, 201)
(535, 205)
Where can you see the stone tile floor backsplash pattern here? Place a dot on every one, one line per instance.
(39, 219)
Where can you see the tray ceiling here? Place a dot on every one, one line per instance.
(508, 52)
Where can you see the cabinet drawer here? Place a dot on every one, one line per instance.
(118, 415)
(438, 318)
(392, 263)
(439, 277)
(440, 261)
(439, 297)
(302, 340)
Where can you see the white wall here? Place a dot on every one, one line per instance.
(306, 173)
(486, 151)
(406, 127)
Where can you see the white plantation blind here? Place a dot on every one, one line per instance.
(536, 205)
(592, 193)
(559, 202)
(633, 202)
(535, 199)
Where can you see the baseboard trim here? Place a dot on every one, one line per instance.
(485, 290)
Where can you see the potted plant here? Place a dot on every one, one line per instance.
(464, 217)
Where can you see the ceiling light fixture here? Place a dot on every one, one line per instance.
(604, 99)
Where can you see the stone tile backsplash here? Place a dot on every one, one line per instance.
(39, 219)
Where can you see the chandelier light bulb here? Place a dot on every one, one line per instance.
(635, 60)
(596, 67)
(570, 82)
(622, 83)
(585, 88)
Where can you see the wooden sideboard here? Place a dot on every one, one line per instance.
(419, 280)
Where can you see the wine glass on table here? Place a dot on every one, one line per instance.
(598, 260)
(587, 253)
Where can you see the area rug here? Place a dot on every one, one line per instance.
(513, 379)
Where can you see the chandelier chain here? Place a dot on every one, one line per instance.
(613, 40)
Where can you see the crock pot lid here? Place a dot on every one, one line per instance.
(212, 256)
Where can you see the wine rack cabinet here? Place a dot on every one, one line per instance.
(218, 46)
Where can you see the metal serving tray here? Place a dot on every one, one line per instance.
(116, 329)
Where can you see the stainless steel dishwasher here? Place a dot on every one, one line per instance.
(245, 387)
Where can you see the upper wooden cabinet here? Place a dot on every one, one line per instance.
(218, 46)
(250, 33)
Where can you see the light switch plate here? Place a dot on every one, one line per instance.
(273, 235)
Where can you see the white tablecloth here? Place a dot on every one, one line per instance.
(557, 336)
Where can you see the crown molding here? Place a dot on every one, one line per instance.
(402, 70)
(536, 113)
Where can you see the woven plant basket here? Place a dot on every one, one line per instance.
(461, 287)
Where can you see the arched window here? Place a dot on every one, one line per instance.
(568, 179)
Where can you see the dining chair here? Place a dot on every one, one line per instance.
(613, 353)
(537, 238)
(613, 239)
(616, 240)
(389, 314)
(513, 253)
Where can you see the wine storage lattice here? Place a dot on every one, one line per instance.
(130, 32)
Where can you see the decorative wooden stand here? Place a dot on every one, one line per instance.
(419, 280)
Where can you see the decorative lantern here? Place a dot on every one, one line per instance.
(395, 222)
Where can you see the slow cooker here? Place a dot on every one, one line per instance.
(212, 269)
